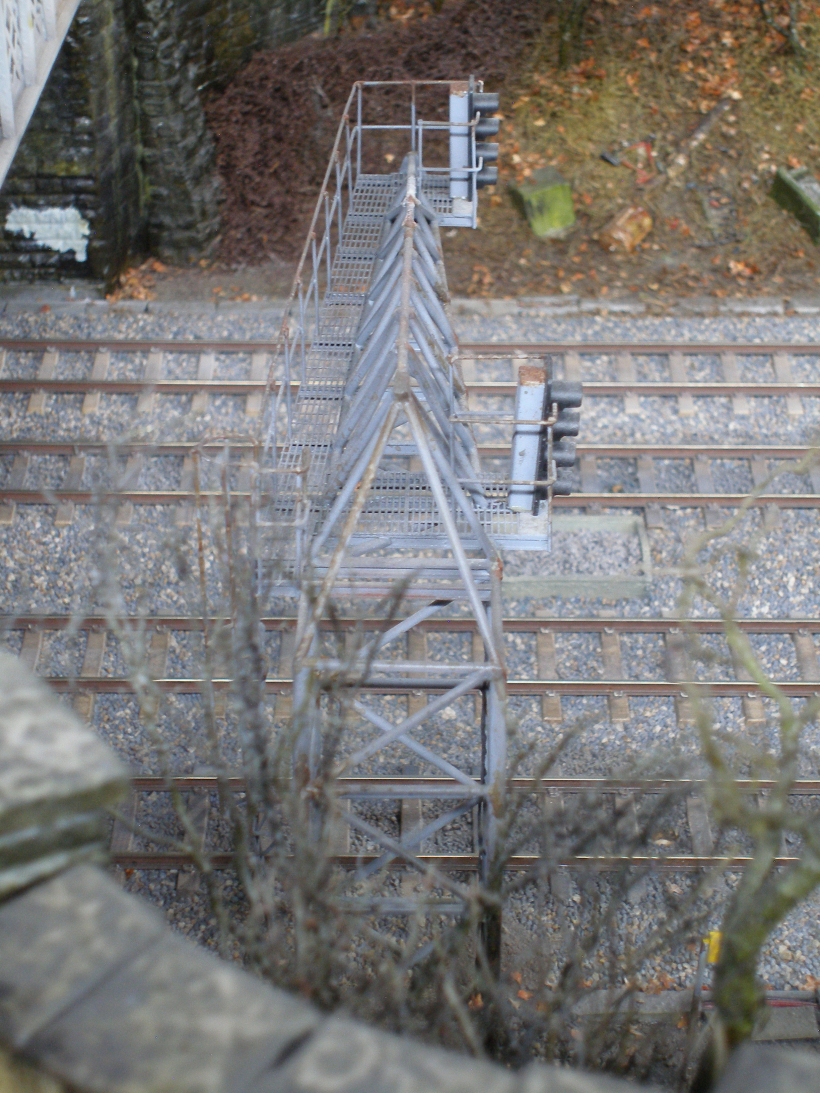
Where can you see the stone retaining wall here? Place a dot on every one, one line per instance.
(119, 133)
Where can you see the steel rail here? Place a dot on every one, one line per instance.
(505, 388)
(404, 786)
(683, 863)
(489, 350)
(439, 624)
(624, 500)
(636, 688)
(616, 451)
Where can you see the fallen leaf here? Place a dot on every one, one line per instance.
(539, 122)
(586, 198)
(644, 43)
(526, 995)
(517, 977)
(742, 269)
(476, 1002)
(794, 162)
(565, 287)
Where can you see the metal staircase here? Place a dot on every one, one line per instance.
(32, 34)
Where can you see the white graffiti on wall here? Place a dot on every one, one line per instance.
(58, 228)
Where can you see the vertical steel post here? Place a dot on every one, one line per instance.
(459, 143)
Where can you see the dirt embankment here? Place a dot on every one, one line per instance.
(274, 126)
(643, 69)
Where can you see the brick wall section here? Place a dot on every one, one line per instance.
(119, 132)
(82, 149)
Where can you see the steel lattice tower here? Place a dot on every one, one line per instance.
(375, 491)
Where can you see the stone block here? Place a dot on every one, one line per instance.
(798, 192)
(805, 304)
(787, 1023)
(752, 305)
(350, 1058)
(546, 202)
(177, 1019)
(758, 1069)
(538, 1078)
(59, 941)
(56, 777)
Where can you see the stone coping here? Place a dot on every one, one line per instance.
(87, 298)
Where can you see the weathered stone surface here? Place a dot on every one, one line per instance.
(119, 132)
(53, 770)
(62, 939)
(19, 1077)
(799, 192)
(554, 1079)
(96, 991)
(103, 996)
(178, 155)
(787, 1023)
(81, 150)
(546, 201)
(758, 1069)
(348, 1056)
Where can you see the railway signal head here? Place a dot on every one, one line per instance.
(483, 104)
(473, 155)
(563, 402)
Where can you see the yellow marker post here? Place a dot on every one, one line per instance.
(712, 943)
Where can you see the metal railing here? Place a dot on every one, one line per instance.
(303, 326)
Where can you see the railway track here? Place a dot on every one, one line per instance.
(645, 462)
(702, 854)
(38, 376)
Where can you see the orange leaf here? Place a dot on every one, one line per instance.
(517, 977)
(526, 995)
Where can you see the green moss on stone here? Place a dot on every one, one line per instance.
(546, 201)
